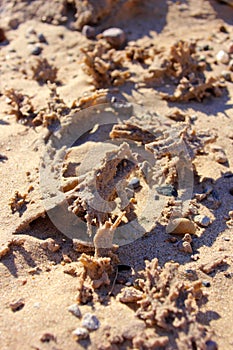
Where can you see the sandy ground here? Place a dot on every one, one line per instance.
(42, 280)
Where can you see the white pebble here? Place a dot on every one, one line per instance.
(90, 322)
(115, 36)
(222, 57)
(81, 333)
(75, 310)
(202, 220)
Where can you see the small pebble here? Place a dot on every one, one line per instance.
(36, 50)
(211, 345)
(184, 247)
(208, 189)
(202, 58)
(167, 190)
(226, 75)
(42, 38)
(81, 333)
(31, 31)
(13, 23)
(202, 220)
(89, 32)
(206, 47)
(90, 322)
(17, 305)
(50, 244)
(187, 238)
(130, 295)
(134, 183)
(206, 284)
(181, 226)
(2, 35)
(222, 57)
(176, 115)
(228, 274)
(128, 284)
(230, 66)
(230, 214)
(195, 257)
(4, 250)
(219, 154)
(47, 337)
(75, 310)
(115, 37)
(36, 305)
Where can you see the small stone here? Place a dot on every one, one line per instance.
(181, 226)
(202, 58)
(208, 189)
(230, 214)
(128, 284)
(211, 345)
(42, 38)
(228, 274)
(222, 57)
(70, 270)
(13, 23)
(206, 284)
(75, 310)
(31, 31)
(202, 220)
(4, 250)
(90, 322)
(220, 158)
(134, 183)
(195, 257)
(51, 245)
(36, 50)
(176, 115)
(219, 154)
(185, 247)
(17, 305)
(81, 333)
(2, 35)
(130, 295)
(230, 66)
(226, 75)
(115, 37)
(47, 337)
(89, 32)
(167, 190)
(34, 270)
(222, 28)
(187, 238)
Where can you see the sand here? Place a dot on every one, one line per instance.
(152, 293)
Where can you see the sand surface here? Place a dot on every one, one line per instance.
(183, 306)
